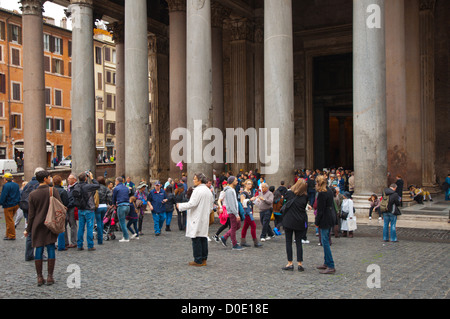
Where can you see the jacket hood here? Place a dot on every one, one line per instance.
(389, 191)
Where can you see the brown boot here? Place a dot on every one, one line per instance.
(256, 243)
(40, 278)
(244, 243)
(51, 267)
(350, 234)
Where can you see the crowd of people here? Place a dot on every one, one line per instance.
(233, 199)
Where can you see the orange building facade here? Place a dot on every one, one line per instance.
(57, 58)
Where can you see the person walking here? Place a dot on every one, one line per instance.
(180, 197)
(249, 220)
(325, 221)
(390, 216)
(156, 200)
(141, 203)
(121, 200)
(9, 199)
(264, 202)
(295, 221)
(39, 202)
(199, 208)
(84, 200)
(231, 204)
(133, 219)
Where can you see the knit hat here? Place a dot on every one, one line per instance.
(231, 180)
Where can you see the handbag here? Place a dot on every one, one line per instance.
(351, 223)
(344, 215)
(55, 220)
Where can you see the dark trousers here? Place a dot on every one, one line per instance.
(223, 227)
(200, 249)
(181, 220)
(265, 222)
(371, 211)
(299, 234)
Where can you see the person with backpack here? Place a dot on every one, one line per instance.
(83, 195)
(38, 205)
(390, 209)
(9, 199)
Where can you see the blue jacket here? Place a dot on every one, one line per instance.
(10, 196)
(120, 195)
(156, 200)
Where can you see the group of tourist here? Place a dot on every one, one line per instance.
(233, 198)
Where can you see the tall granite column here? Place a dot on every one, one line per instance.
(396, 89)
(279, 89)
(369, 98)
(199, 83)
(177, 73)
(118, 37)
(33, 87)
(83, 89)
(218, 13)
(136, 91)
(427, 65)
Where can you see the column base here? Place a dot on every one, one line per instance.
(361, 204)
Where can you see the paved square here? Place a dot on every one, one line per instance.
(156, 268)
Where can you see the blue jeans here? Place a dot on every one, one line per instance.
(50, 252)
(169, 218)
(122, 212)
(158, 220)
(389, 218)
(326, 247)
(311, 197)
(99, 215)
(85, 218)
(61, 241)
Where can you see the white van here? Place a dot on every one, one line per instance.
(8, 166)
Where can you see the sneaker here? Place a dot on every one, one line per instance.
(262, 239)
(237, 247)
(216, 239)
(223, 241)
(123, 240)
(379, 218)
(370, 217)
(133, 236)
(305, 241)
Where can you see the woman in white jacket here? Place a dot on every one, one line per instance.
(347, 208)
(197, 226)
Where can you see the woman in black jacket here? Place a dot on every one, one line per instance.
(295, 220)
(325, 221)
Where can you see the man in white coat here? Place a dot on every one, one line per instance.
(198, 210)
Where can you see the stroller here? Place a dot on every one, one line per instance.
(110, 223)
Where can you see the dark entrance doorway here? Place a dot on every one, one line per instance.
(333, 111)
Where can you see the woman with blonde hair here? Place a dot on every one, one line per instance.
(325, 221)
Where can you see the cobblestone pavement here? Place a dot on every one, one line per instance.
(156, 268)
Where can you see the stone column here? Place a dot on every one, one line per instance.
(177, 73)
(199, 83)
(136, 91)
(279, 89)
(242, 88)
(118, 36)
(427, 76)
(83, 89)
(218, 13)
(35, 154)
(369, 95)
(396, 89)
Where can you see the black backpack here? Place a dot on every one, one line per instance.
(80, 197)
(23, 204)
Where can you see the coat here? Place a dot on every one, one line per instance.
(347, 206)
(325, 217)
(199, 208)
(39, 201)
(295, 216)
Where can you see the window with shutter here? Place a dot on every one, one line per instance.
(107, 54)
(58, 97)
(47, 64)
(16, 94)
(2, 83)
(2, 30)
(98, 55)
(15, 56)
(48, 96)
